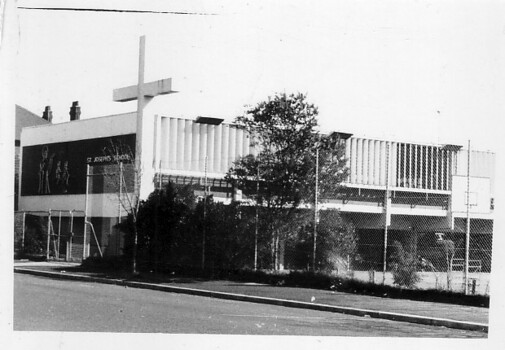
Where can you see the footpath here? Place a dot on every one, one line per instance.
(421, 312)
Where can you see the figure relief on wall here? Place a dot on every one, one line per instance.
(45, 167)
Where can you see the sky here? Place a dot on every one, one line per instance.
(426, 71)
(412, 70)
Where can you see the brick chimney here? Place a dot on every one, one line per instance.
(75, 111)
(48, 114)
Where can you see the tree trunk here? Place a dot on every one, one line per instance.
(449, 272)
(277, 262)
(134, 250)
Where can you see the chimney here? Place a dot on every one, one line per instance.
(48, 114)
(75, 111)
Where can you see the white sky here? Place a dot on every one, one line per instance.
(416, 70)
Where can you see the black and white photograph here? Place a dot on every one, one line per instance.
(222, 174)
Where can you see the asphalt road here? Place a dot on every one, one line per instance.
(43, 304)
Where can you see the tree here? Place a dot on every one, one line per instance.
(336, 244)
(170, 226)
(448, 248)
(35, 236)
(281, 177)
(123, 174)
(405, 266)
(228, 234)
(162, 221)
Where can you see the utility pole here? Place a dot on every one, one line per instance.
(204, 215)
(315, 210)
(467, 245)
(387, 217)
(257, 219)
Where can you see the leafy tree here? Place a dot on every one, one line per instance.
(281, 177)
(229, 234)
(336, 244)
(171, 224)
(338, 241)
(162, 221)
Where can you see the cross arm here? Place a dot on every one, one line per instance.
(152, 89)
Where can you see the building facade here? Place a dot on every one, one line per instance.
(412, 187)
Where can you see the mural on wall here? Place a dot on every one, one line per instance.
(60, 168)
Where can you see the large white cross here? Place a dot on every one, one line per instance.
(143, 93)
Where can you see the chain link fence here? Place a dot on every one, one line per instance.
(412, 258)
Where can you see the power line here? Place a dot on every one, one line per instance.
(116, 11)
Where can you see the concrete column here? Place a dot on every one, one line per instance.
(426, 168)
(443, 165)
(404, 165)
(437, 166)
(383, 165)
(365, 161)
(203, 147)
(410, 164)
(376, 163)
(393, 160)
(431, 167)
(165, 137)
(195, 146)
(218, 141)
(371, 161)
(231, 144)
(188, 143)
(239, 142)
(173, 144)
(225, 160)
(211, 137)
(359, 161)
(415, 166)
(181, 143)
(157, 143)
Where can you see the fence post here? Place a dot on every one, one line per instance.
(48, 234)
(23, 232)
(59, 235)
(71, 235)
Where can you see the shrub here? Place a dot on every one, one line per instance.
(35, 239)
(405, 267)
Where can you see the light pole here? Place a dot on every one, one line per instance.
(213, 122)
